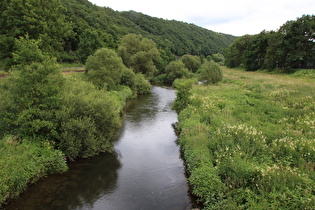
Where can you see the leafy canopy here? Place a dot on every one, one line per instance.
(139, 53)
(105, 68)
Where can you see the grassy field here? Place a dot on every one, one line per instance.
(249, 142)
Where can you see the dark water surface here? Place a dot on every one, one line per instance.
(145, 172)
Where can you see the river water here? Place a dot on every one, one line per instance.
(145, 172)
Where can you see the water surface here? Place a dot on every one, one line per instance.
(145, 172)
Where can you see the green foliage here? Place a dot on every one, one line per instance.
(292, 46)
(104, 68)
(304, 73)
(254, 56)
(88, 119)
(210, 73)
(142, 85)
(72, 30)
(181, 38)
(39, 20)
(26, 51)
(234, 53)
(159, 80)
(183, 87)
(128, 78)
(139, 53)
(256, 156)
(31, 95)
(208, 185)
(89, 43)
(24, 162)
(218, 58)
(192, 63)
(176, 70)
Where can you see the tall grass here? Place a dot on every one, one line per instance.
(24, 162)
(249, 142)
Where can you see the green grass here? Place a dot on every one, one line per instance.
(253, 135)
(24, 162)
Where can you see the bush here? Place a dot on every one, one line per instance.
(207, 185)
(142, 85)
(105, 68)
(192, 63)
(88, 119)
(159, 80)
(183, 87)
(176, 70)
(210, 73)
(31, 95)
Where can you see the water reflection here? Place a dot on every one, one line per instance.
(82, 185)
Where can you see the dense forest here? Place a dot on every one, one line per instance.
(290, 47)
(72, 30)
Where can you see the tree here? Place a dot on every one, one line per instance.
(89, 43)
(105, 68)
(299, 41)
(218, 58)
(235, 52)
(92, 40)
(275, 54)
(254, 55)
(139, 53)
(192, 63)
(176, 70)
(42, 19)
(31, 95)
(210, 73)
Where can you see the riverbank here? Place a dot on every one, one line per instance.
(82, 126)
(249, 141)
(145, 170)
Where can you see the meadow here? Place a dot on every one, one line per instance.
(249, 142)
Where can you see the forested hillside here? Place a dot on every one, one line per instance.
(72, 30)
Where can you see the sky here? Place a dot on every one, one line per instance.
(235, 17)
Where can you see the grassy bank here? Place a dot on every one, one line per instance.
(249, 142)
(23, 162)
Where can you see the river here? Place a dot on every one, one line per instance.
(144, 172)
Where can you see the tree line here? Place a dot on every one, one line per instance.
(292, 46)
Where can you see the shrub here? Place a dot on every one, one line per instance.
(31, 94)
(105, 68)
(207, 185)
(88, 119)
(176, 70)
(183, 87)
(142, 85)
(192, 63)
(210, 73)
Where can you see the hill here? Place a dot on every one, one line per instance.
(73, 29)
(181, 38)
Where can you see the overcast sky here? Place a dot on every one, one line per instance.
(236, 17)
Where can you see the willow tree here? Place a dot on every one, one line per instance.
(139, 53)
